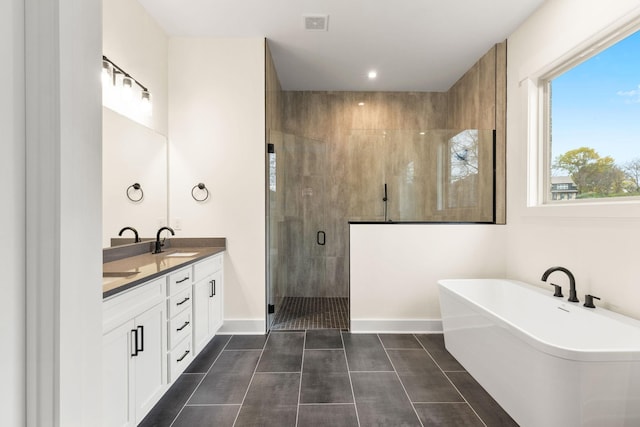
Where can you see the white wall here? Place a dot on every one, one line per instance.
(216, 136)
(63, 212)
(598, 243)
(135, 42)
(12, 215)
(395, 268)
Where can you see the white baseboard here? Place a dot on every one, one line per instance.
(242, 327)
(358, 326)
(398, 326)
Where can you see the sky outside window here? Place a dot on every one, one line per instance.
(597, 105)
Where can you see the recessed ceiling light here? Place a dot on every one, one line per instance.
(360, 104)
(421, 133)
(372, 74)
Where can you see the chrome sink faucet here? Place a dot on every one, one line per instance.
(160, 244)
(572, 282)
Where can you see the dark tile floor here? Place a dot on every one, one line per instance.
(325, 377)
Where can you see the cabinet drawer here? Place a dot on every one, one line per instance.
(207, 267)
(179, 280)
(179, 302)
(179, 359)
(179, 328)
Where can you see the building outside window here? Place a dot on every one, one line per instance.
(563, 188)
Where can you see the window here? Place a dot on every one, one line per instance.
(593, 124)
(463, 169)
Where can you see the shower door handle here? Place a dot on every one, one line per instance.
(321, 238)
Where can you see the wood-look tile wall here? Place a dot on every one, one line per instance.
(479, 100)
(334, 157)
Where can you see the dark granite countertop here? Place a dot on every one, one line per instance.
(128, 266)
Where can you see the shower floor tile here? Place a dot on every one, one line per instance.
(299, 313)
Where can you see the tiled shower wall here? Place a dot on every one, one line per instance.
(331, 152)
(332, 173)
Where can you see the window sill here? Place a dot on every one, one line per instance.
(587, 209)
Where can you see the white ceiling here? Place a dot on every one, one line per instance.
(415, 45)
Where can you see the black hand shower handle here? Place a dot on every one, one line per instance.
(384, 199)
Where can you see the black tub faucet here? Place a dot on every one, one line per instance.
(137, 239)
(159, 244)
(572, 282)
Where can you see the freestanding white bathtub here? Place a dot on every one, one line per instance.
(548, 362)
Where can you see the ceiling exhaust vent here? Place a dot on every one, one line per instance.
(316, 22)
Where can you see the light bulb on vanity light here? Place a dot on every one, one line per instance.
(107, 76)
(145, 103)
(127, 88)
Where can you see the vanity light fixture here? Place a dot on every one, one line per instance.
(112, 74)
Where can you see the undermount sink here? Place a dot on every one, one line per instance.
(182, 254)
(118, 273)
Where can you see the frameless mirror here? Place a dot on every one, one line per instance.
(132, 154)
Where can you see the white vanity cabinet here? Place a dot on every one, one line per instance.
(133, 362)
(152, 332)
(179, 321)
(208, 299)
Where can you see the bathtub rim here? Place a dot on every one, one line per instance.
(552, 349)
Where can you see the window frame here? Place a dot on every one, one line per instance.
(540, 194)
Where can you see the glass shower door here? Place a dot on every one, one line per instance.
(297, 232)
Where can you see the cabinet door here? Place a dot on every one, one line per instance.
(149, 360)
(117, 399)
(215, 303)
(201, 291)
